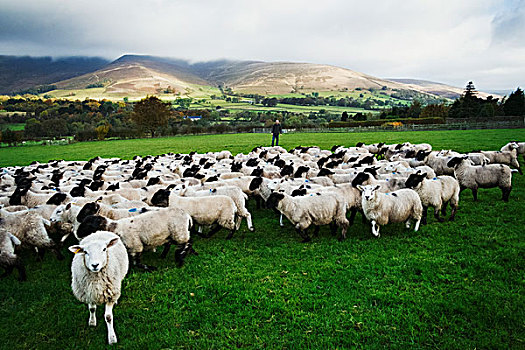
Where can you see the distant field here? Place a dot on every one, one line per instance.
(14, 127)
(452, 285)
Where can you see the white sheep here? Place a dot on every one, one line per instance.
(383, 208)
(482, 176)
(146, 231)
(29, 228)
(436, 193)
(98, 268)
(8, 258)
(315, 209)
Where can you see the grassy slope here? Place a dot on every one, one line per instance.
(451, 285)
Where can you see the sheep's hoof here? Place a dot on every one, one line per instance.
(451, 218)
(112, 340)
(306, 240)
(251, 229)
(441, 220)
(282, 225)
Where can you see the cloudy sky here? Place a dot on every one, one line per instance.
(447, 41)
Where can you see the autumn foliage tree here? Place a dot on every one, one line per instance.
(151, 113)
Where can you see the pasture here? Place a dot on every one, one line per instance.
(450, 285)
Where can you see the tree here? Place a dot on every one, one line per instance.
(515, 104)
(151, 113)
(344, 116)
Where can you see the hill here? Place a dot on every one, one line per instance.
(19, 73)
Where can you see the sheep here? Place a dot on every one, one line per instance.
(235, 193)
(315, 209)
(383, 208)
(439, 163)
(29, 228)
(93, 208)
(436, 193)
(509, 146)
(146, 231)
(505, 157)
(98, 268)
(8, 259)
(65, 217)
(484, 176)
(219, 211)
(387, 185)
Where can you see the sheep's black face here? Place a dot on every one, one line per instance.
(161, 198)
(367, 160)
(257, 172)
(91, 224)
(212, 179)
(398, 146)
(380, 144)
(410, 154)
(421, 155)
(325, 172)
(454, 162)
(299, 192)
(371, 170)
(153, 181)
(279, 163)
(274, 200)
(84, 182)
(78, 191)
(208, 165)
(16, 198)
(113, 187)
(360, 178)
(414, 180)
(263, 154)
(286, 170)
(352, 159)
(321, 162)
(252, 162)
(255, 183)
(300, 171)
(255, 148)
(334, 147)
(203, 161)
(236, 166)
(87, 210)
(57, 199)
(359, 144)
(199, 176)
(96, 185)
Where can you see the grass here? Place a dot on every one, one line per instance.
(13, 127)
(452, 285)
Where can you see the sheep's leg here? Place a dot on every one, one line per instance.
(304, 235)
(453, 213)
(181, 253)
(281, 220)
(475, 194)
(136, 262)
(249, 222)
(8, 271)
(444, 209)
(21, 270)
(92, 315)
(238, 220)
(316, 230)
(424, 220)
(505, 193)
(166, 250)
(258, 202)
(375, 231)
(193, 231)
(333, 228)
(407, 223)
(108, 317)
(40, 254)
(213, 230)
(417, 225)
(352, 215)
(58, 253)
(436, 215)
(64, 237)
(230, 235)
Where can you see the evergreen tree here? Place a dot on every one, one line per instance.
(515, 104)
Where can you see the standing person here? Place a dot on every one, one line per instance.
(276, 130)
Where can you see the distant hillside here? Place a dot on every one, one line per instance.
(20, 73)
(137, 76)
(439, 89)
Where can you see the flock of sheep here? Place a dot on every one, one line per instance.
(116, 209)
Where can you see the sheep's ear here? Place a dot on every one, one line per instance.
(360, 188)
(377, 187)
(424, 175)
(418, 172)
(99, 199)
(14, 239)
(112, 242)
(68, 206)
(76, 249)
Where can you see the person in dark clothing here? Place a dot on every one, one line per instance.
(276, 130)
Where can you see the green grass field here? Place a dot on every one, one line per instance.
(455, 285)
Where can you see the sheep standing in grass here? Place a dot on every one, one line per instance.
(315, 209)
(8, 259)
(383, 208)
(482, 176)
(436, 193)
(98, 268)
